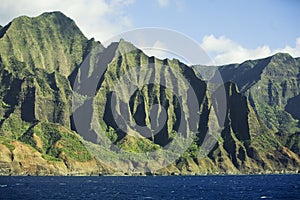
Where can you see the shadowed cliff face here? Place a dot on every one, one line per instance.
(46, 61)
(270, 84)
(293, 108)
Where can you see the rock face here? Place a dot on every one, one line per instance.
(41, 69)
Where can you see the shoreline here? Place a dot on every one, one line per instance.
(151, 174)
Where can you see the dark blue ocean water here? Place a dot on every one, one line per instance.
(172, 187)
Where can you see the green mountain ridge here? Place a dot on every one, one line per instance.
(46, 63)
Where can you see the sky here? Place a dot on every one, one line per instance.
(230, 31)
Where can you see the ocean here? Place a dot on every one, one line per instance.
(151, 187)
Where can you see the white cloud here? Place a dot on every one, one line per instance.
(163, 3)
(223, 50)
(162, 50)
(96, 18)
(294, 51)
(158, 50)
(179, 5)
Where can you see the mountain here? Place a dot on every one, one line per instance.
(71, 106)
(272, 86)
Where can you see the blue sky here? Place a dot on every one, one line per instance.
(251, 23)
(229, 31)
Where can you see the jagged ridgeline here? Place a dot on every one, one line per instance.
(143, 82)
(46, 61)
(272, 86)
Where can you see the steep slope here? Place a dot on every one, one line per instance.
(35, 74)
(46, 61)
(246, 145)
(35, 68)
(158, 92)
(272, 85)
(56, 43)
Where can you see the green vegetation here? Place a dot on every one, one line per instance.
(112, 135)
(55, 141)
(50, 158)
(137, 145)
(40, 59)
(7, 142)
(14, 126)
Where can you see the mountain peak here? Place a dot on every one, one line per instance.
(52, 41)
(125, 46)
(54, 13)
(282, 56)
(56, 18)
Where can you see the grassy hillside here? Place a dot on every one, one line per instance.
(46, 64)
